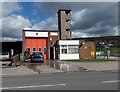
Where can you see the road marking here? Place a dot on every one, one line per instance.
(35, 86)
(110, 81)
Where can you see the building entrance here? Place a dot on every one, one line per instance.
(51, 52)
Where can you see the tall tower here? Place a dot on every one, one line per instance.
(64, 24)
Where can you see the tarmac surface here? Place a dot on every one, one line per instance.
(63, 81)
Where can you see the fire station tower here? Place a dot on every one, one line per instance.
(64, 24)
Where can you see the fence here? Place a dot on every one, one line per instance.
(15, 59)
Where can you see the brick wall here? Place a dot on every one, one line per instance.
(51, 42)
(87, 50)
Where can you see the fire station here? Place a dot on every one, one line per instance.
(57, 44)
(40, 40)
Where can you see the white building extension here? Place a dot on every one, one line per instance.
(68, 49)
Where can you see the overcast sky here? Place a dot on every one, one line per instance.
(89, 19)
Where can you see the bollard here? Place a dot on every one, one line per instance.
(63, 66)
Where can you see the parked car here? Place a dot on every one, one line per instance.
(37, 57)
(99, 53)
(4, 55)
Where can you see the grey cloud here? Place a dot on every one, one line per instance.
(48, 24)
(12, 26)
(102, 13)
(9, 7)
(107, 15)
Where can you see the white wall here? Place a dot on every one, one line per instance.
(68, 56)
(68, 42)
(54, 34)
(36, 34)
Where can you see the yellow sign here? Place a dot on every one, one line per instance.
(92, 53)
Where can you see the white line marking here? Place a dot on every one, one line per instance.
(35, 86)
(110, 81)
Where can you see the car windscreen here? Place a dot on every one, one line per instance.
(4, 53)
(37, 55)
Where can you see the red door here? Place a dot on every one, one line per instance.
(28, 44)
(34, 45)
(42, 44)
(37, 44)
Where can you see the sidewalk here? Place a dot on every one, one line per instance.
(29, 70)
(47, 69)
(19, 70)
(92, 66)
(110, 58)
(73, 66)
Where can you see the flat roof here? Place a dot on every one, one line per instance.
(68, 42)
(39, 30)
(64, 10)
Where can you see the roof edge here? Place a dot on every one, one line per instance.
(40, 30)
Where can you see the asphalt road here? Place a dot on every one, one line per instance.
(63, 81)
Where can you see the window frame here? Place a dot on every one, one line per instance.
(34, 49)
(64, 47)
(73, 49)
(40, 49)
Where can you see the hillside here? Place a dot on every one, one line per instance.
(99, 38)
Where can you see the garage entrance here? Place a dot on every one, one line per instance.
(37, 44)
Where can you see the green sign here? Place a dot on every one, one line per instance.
(21, 57)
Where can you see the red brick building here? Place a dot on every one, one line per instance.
(39, 40)
(57, 44)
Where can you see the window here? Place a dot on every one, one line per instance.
(28, 49)
(34, 49)
(58, 50)
(73, 49)
(68, 22)
(37, 55)
(67, 12)
(45, 50)
(67, 31)
(64, 49)
(39, 49)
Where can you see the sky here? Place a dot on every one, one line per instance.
(89, 19)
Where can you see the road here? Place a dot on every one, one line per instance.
(63, 81)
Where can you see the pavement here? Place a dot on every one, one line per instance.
(92, 66)
(63, 81)
(33, 69)
(47, 69)
(19, 70)
(110, 58)
(28, 69)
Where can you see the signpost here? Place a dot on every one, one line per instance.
(106, 46)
